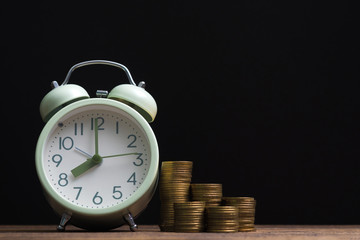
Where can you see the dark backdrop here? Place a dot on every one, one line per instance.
(263, 96)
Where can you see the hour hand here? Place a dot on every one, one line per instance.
(90, 163)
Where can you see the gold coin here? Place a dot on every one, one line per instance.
(191, 204)
(180, 215)
(222, 219)
(211, 193)
(246, 208)
(174, 187)
(189, 216)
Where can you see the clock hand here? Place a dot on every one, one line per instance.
(96, 137)
(85, 166)
(83, 152)
(92, 161)
(120, 155)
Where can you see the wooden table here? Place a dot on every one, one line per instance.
(268, 232)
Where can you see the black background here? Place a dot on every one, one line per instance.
(263, 96)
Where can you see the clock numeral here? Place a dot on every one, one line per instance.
(97, 200)
(117, 193)
(100, 121)
(67, 143)
(78, 194)
(139, 158)
(57, 158)
(63, 180)
(132, 179)
(117, 127)
(81, 129)
(133, 137)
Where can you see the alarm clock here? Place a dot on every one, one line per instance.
(97, 158)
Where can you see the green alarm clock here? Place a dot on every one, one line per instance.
(97, 158)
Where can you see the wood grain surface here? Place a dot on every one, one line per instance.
(268, 232)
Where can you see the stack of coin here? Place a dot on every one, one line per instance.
(211, 193)
(222, 219)
(189, 216)
(246, 208)
(174, 185)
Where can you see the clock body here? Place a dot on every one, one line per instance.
(98, 196)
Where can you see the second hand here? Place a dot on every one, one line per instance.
(120, 155)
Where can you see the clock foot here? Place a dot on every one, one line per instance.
(64, 220)
(130, 220)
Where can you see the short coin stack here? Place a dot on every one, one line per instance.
(222, 219)
(211, 193)
(174, 187)
(246, 208)
(189, 216)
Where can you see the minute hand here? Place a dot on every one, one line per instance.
(120, 155)
(96, 137)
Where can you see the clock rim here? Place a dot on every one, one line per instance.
(67, 206)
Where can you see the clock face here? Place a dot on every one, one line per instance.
(96, 156)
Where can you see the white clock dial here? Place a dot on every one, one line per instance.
(122, 145)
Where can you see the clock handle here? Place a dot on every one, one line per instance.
(96, 62)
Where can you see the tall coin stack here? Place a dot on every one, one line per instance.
(222, 219)
(189, 216)
(246, 208)
(211, 193)
(174, 187)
